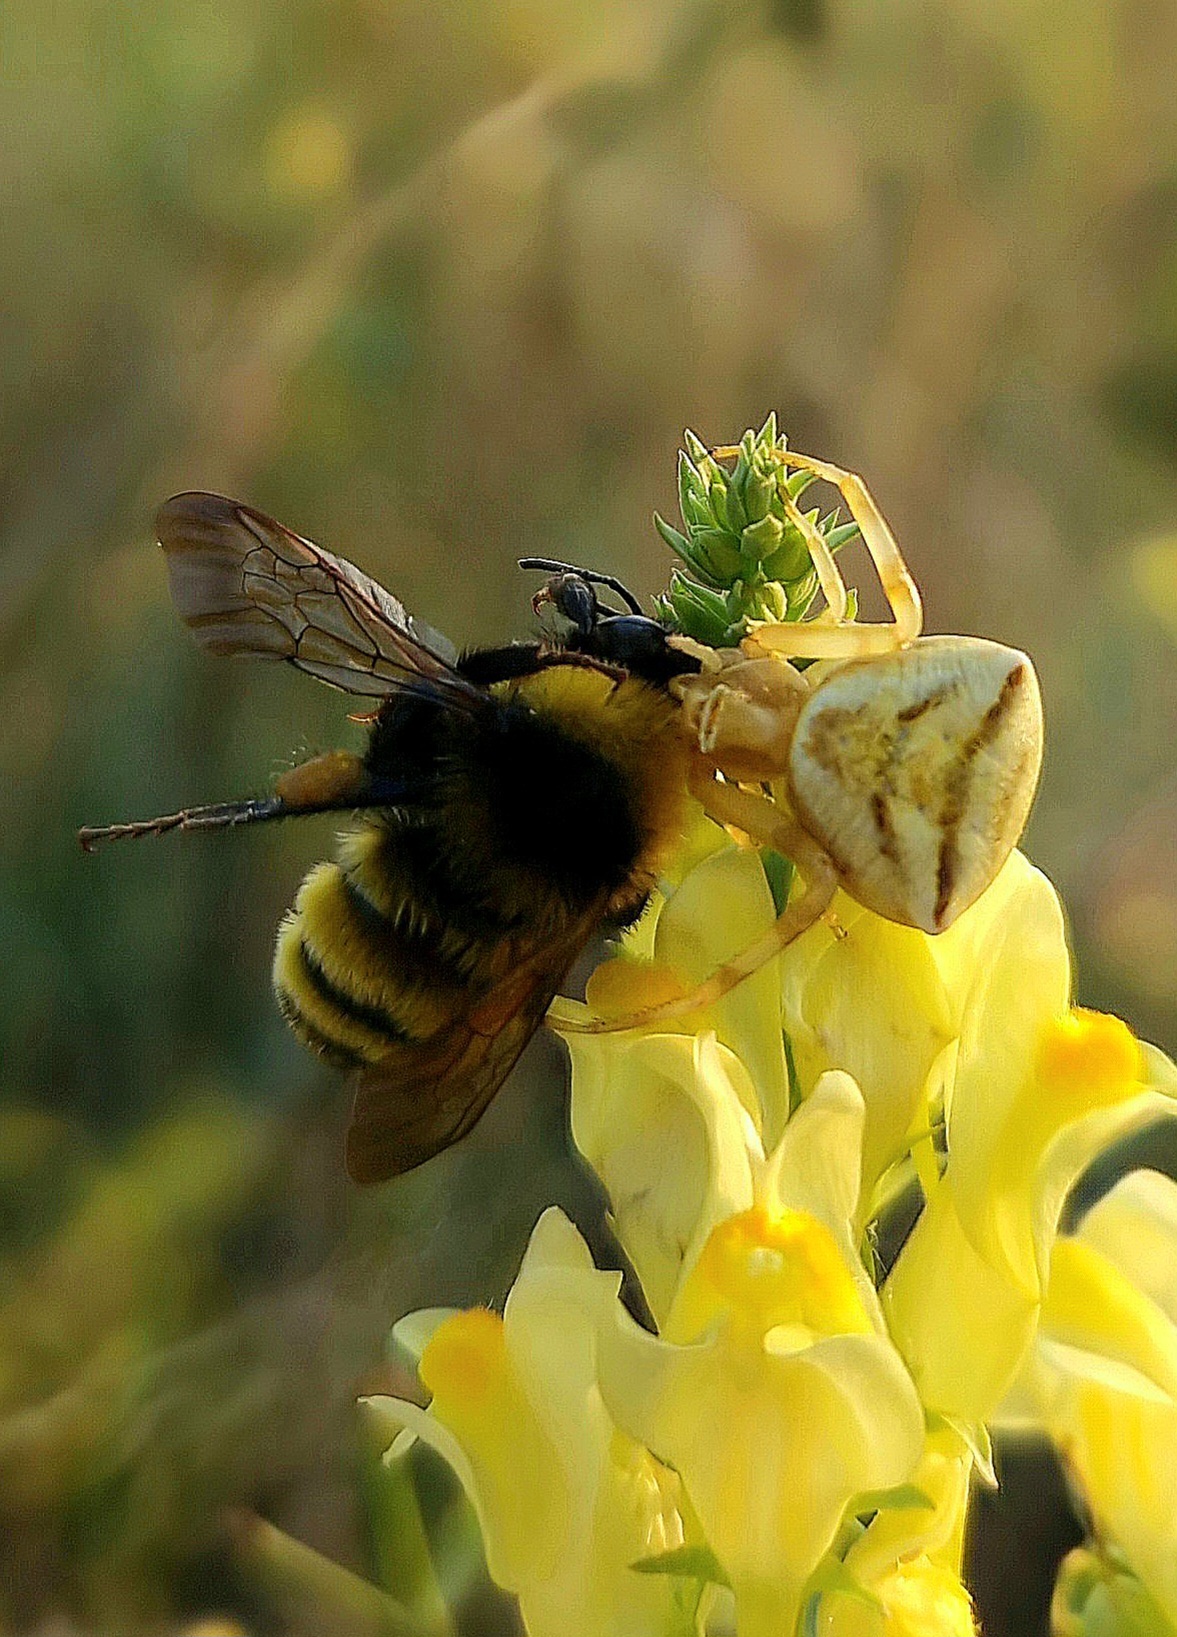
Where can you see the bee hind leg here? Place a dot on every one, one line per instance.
(768, 826)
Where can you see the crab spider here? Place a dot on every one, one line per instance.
(903, 767)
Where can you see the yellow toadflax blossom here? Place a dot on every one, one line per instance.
(1104, 1374)
(839, 1185)
(789, 1444)
(565, 1499)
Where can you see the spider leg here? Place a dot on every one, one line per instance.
(768, 826)
(815, 639)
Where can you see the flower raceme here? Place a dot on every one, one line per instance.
(789, 1448)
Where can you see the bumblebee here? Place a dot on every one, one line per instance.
(516, 798)
(513, 799)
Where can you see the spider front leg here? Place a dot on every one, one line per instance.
(767, 826)
(815, 639)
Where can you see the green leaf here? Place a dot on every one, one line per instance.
(903, 1498)
(975, 1436)
(695, 1562)
(677, 542)
(779, 873)
(717, 496)
(736, 482)
(836, 537)
(801, 593)
(712, 603)
(719, 552)
(691, 488)
(767, 436)
(684, 548)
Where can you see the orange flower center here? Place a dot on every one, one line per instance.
(763, 1271)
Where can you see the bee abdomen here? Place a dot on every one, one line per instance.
(352, 983)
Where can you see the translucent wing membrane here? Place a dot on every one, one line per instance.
(427, 1096)
(245, 585)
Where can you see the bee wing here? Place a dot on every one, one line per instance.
(426, 1097)
(245, 585)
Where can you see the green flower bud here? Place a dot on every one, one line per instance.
(790, 561)
(760, 540)
(759, 492)
(738, 542)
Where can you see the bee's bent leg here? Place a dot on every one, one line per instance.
(766, 825)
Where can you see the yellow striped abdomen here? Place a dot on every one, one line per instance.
(357, 976)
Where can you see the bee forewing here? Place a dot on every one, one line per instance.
(245, 585)
(916, 772)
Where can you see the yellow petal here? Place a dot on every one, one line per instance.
(638, 1099)
(1020, 982)
(916, 1599)
(1084, 1088)
(935, 1531)
(1135, 1226)
(479, 1398)
(1091, 1305)
(719, 909)
(770, 1447)
(762, 1270)
(816, 1168)
(870, 1002)
(963, 1328)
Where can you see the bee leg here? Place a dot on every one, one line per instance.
(768, 826)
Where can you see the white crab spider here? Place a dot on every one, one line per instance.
(903, 766)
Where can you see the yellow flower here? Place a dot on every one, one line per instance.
(930, 1525)
(915, 1599)
(721, 906)
(566, 1501)
(1034, 1090)
(773, 1390)
(868, 998)
(667, 1122)
(1105, 1373)
(901, 1576)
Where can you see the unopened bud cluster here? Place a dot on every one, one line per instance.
(744, 558)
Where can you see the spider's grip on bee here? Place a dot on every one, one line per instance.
(513, 800)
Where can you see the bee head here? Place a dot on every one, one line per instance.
(632, 640)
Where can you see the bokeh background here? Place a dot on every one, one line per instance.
(439, 282)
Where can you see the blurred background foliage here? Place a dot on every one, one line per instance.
(439, 282)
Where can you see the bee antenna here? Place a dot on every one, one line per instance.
(610, 581)
(215, 816)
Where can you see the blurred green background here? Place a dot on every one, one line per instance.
(439, 282)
